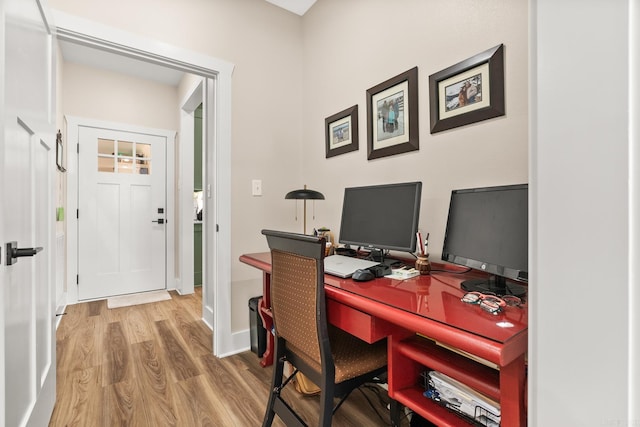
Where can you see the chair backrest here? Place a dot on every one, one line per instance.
(297, 294)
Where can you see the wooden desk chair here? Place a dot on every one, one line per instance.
(334, 360)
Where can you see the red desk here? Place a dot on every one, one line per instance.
(405, 311)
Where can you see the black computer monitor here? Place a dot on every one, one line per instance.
(381, 217)
(487, 229)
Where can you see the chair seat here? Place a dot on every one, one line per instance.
(352, 356)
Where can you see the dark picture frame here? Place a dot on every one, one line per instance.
(469, 91)
(60, 153)
(397, 97)
(341, 132)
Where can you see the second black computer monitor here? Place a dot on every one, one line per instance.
(381, 217)
(487, 230)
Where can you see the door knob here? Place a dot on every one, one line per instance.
(14, 252)
(159, 221)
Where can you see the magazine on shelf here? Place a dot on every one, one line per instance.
(464, 399)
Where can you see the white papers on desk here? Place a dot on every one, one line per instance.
(464, 399)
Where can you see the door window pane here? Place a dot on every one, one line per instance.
(106, 155)
(106, 146)
(124, 157)
(106, 164)
(125, 149)
(143, 158)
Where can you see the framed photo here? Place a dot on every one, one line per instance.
(468, 92)
(392, 116)
(59, 152)
(341, 132)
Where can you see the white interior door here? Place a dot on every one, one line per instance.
(27, 343)
(121, 212)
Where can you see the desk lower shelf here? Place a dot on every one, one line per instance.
(409, 358)
(428, 354)
(426, 408)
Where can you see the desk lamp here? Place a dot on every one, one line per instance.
(304, 195)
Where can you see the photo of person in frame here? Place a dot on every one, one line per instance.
(340, 133)
(390, 116)
(463, 93)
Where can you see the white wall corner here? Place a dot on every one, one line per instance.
(240, 342)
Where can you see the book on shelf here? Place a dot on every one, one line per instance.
(469, 356)
(462, 352)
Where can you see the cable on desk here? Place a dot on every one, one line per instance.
(442, 281)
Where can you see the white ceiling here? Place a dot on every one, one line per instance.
(79, 54)
(299, 7)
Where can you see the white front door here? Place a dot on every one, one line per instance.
(27, 162)
(121, 212)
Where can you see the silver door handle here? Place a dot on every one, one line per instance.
(160, 221)
(14, 252)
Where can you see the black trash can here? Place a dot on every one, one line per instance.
(257, 331)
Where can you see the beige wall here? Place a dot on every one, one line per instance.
(105, 95)
(352, 46)
(292, 72)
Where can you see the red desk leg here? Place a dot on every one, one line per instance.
(512, 408)
(264, 310)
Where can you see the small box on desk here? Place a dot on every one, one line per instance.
(403, 273)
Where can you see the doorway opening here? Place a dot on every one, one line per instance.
(195, 201)
(216, 90)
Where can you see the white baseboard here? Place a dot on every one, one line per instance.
(207, 316)
(60, 311)
(240, 342)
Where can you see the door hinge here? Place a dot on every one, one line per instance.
(217, 228)
(77, 279)
(78, 148)
(77, 213)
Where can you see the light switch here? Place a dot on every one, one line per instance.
(256, 187)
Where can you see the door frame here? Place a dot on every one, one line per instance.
(73, 125)
(194, 96)
(218, 75)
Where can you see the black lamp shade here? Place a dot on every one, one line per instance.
(304, 193)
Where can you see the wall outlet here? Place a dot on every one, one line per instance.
(256, 187)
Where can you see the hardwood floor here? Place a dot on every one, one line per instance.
(152, 365)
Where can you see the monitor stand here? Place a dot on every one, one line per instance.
(377, 255)
(497, 285)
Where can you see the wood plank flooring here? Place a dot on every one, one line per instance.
(152, 365)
